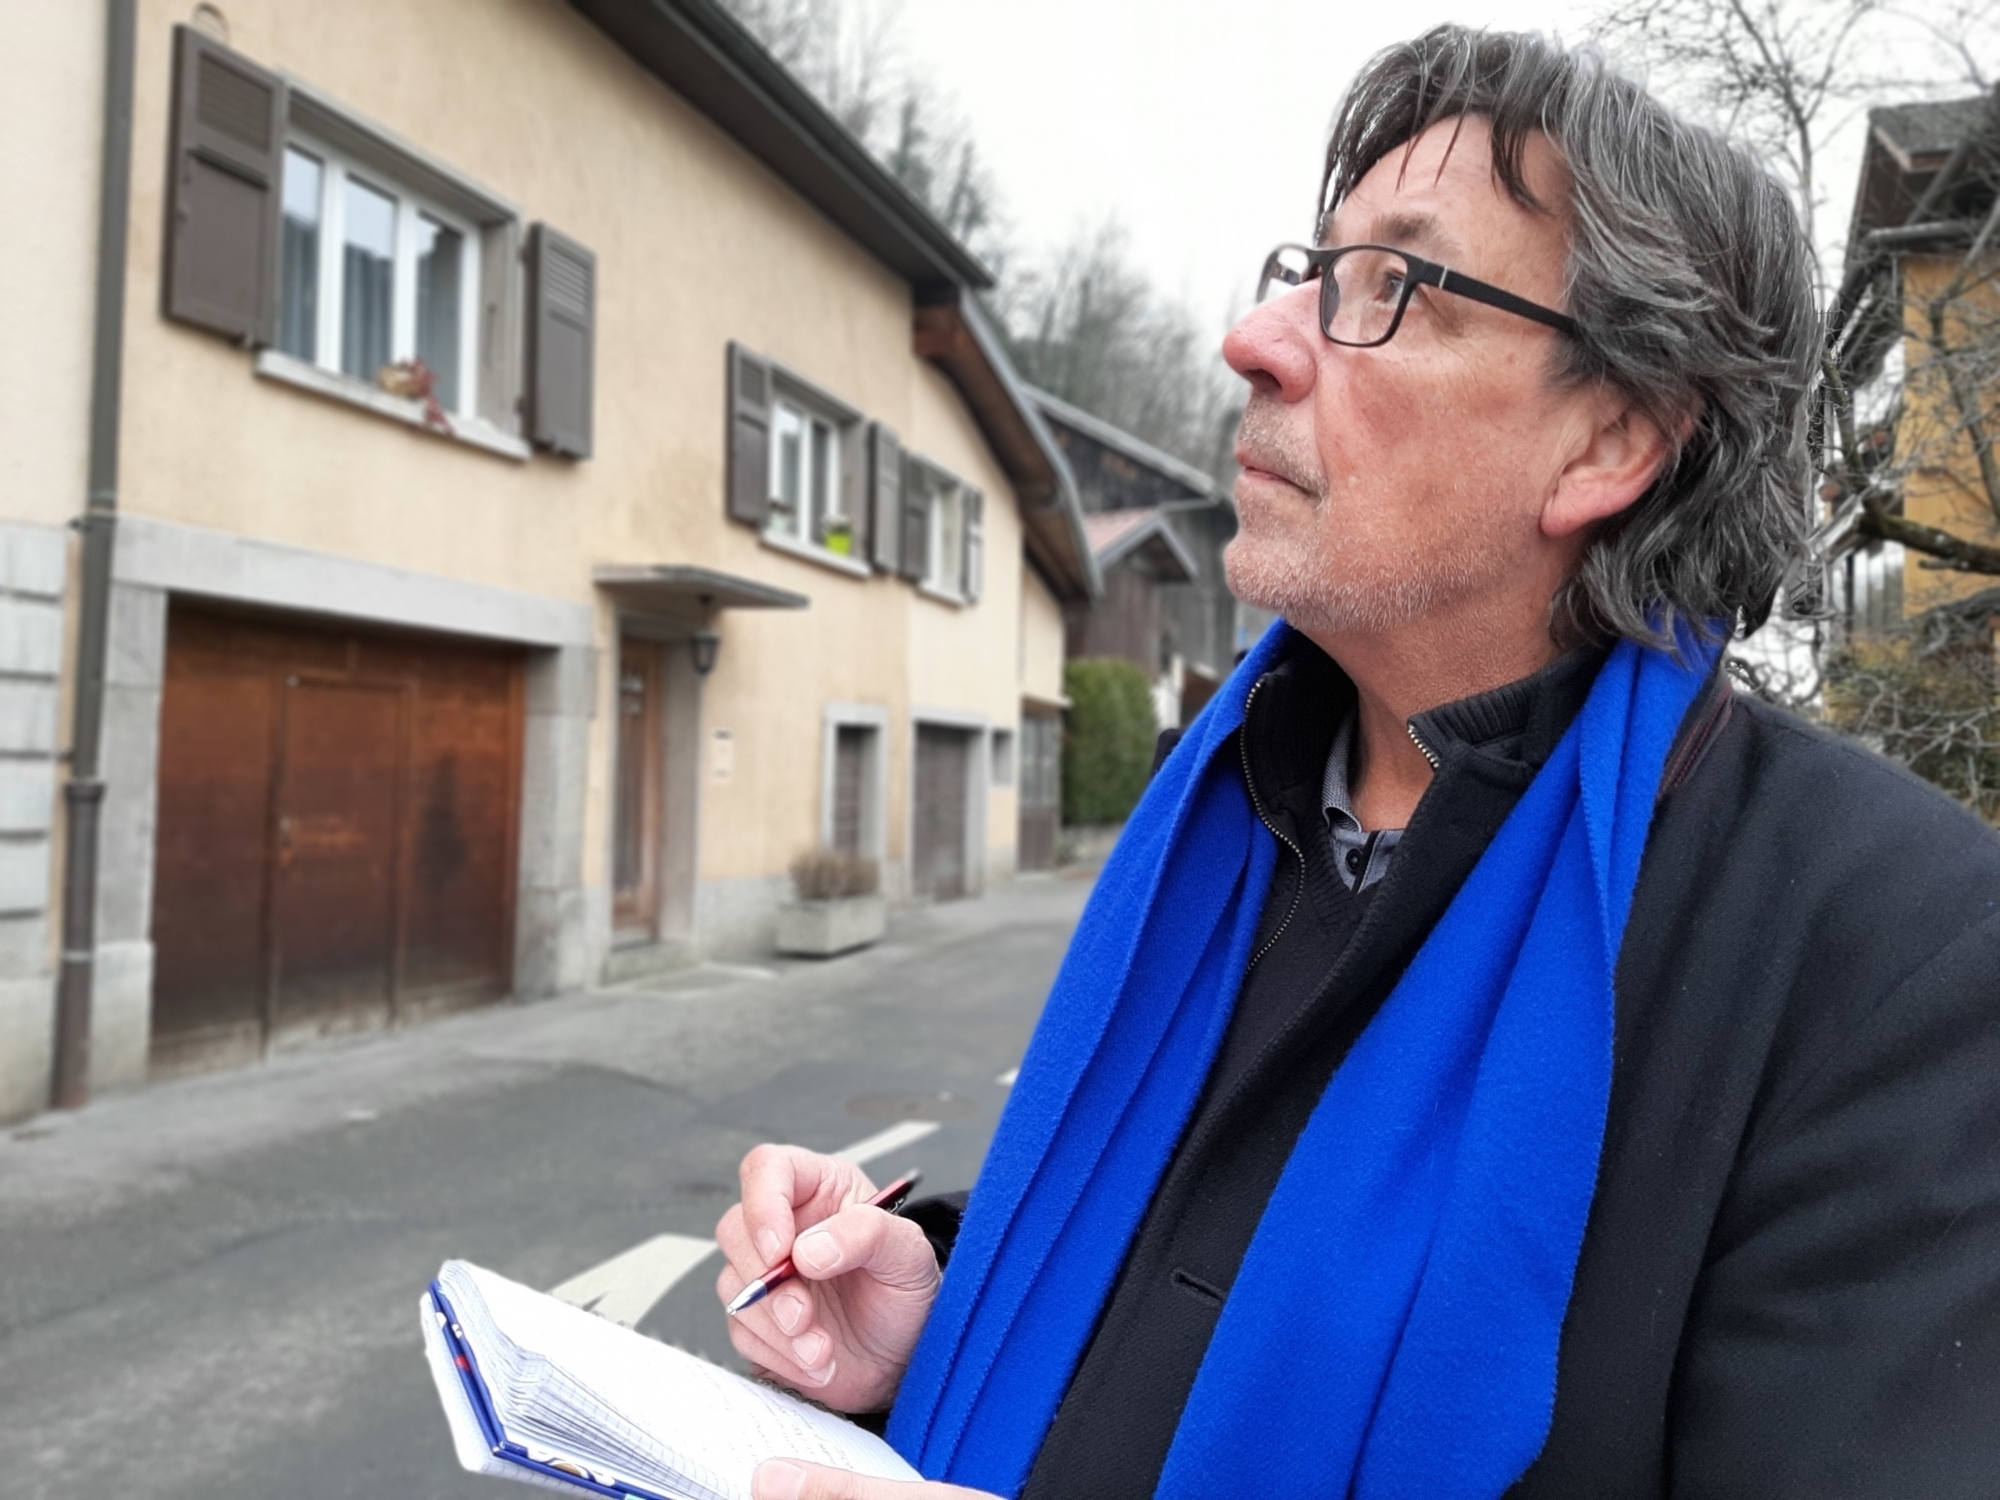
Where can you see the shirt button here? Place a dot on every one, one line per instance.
(1354, 861)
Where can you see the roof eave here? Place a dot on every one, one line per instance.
(1116, 438)
(952, 334)
(704, 54)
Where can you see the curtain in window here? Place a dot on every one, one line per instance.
(367, 283)
(298, 270)
(440, 267)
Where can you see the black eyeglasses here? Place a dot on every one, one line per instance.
(1363, 290)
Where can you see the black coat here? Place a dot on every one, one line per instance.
(1790, 1280)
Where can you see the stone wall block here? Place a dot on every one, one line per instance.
(24, 875)
(31, 643)
(27, 1044)
(121, 1016)
(131, 760)
(34, 559)
(136, 654)
(27, 717)
(24, 945)
(563, 682)
(27, 796)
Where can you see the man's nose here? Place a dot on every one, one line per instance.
(1276, 345)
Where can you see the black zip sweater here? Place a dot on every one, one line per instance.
(1790, 1280)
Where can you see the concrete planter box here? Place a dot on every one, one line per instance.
(820, 929)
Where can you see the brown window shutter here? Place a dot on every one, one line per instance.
(562, 339)
(749, 481)
(223, 200)
(916, 528)
(975, 544)
(885, 473)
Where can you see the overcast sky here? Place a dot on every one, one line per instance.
(1198, 123)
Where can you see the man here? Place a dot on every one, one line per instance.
(1495, 1060)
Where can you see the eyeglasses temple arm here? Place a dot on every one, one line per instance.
(1461, 285)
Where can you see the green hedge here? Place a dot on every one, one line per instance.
(1108, 743)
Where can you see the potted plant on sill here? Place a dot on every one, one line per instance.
(838, 905)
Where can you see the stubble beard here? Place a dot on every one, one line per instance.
(1321, 582)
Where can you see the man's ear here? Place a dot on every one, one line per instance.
(1618, 463)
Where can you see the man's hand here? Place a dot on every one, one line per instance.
(793, 1479)
(843, 1328)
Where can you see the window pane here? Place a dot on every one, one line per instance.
(367, 280)
(945, 544)
(788, 483)
(298, 268)
(823, 485)
(440, 265)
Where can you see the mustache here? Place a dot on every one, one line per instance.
(1266, 439)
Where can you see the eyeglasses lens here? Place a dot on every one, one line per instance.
(1361, 294)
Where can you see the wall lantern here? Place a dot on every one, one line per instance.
(704, 644)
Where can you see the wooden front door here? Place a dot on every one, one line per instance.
(1040, 790)
(944, 765)
(336, 843)
(635, 824)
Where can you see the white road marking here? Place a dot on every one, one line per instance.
(895, 1138)
(1006, 1079)
(628, 1286)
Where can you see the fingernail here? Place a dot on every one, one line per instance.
(767, 1244)
(817, 1250)
(810, 1350)
(778, 1479)
(787, 1310)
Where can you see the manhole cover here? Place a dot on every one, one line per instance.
(935, 1106)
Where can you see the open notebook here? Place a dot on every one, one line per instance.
(540, 1391)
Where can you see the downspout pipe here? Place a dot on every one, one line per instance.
(83, 791)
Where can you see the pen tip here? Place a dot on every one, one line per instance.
(748, 1297)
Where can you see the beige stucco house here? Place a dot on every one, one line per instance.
(550, 478)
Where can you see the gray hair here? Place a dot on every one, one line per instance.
(1690, 282)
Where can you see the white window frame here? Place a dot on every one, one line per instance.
(335, 169)
(796, 400)
(794, 523)
(944, 569)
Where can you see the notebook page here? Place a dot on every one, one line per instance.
(717, 1425)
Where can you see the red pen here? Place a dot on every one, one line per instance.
(890, 1198)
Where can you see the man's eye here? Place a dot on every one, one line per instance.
(1391, 287)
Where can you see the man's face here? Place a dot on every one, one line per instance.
(1385, 485)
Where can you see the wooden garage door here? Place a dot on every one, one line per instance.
(337, 829)
(944, 765)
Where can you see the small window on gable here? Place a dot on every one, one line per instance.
(953, 545)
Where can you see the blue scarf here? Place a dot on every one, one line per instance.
(1392, 1331)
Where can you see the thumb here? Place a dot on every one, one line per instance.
(793, 1479)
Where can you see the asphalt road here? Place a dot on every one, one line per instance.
(209, 1288)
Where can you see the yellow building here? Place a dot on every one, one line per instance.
(558, 478)
(1926, 186)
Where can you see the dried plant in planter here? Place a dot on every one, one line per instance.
(829, 875)
(414, 380)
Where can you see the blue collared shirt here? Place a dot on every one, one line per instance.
(1360, 858)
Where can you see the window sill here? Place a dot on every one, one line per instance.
(943, 596)
(807, 553)
(474, 432)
